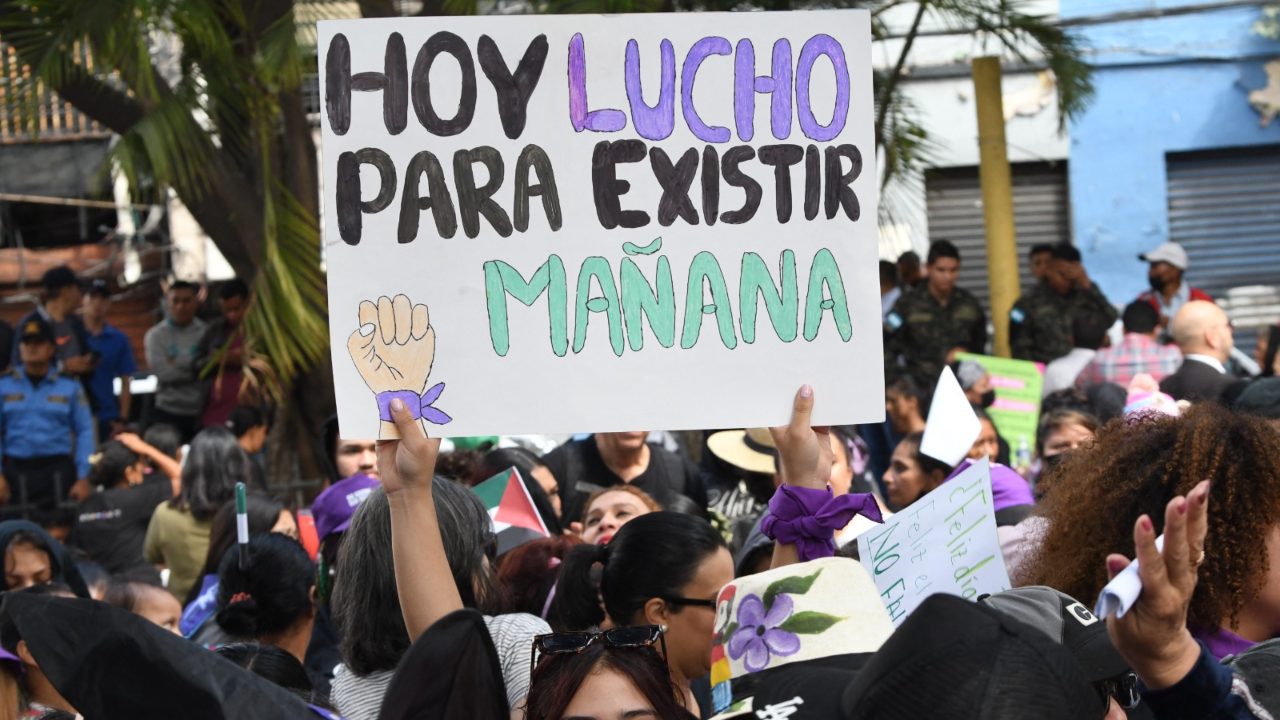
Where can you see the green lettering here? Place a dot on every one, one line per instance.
(824, 273)
(606, 302)
(782, 302)
(705, 269)
(500, 280)
(641, 301)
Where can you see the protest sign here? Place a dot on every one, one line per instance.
(1018, 384)
(542, 224)
(952, 426)
(945, 542)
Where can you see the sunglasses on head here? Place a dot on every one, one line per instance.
(572, 643)
(1124, 688)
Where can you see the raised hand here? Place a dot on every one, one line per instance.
(804, 452)
(393, 349)
(1153, 636)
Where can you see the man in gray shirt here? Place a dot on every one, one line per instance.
(172, 347)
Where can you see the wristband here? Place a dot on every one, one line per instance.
(808, 518)
(420, 406)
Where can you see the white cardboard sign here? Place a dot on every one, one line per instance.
(945, 542)
(569, 223)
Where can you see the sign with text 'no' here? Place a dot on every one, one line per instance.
(945, 542)
(557, 224)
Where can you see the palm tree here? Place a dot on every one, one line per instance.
(222, 125)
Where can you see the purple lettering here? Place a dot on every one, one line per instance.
(778, 85)
(700, 51)
(607, 120)
(809, 125)
(657, 122)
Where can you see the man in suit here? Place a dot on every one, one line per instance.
(1203, 334)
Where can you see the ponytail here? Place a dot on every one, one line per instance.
(577, 602)
(652, 556)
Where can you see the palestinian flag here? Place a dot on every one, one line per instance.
(515, 520)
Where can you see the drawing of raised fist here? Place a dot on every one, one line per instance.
(393, 349)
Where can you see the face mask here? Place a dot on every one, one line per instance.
(1051, 463)
(1156, 283)
(988, 398)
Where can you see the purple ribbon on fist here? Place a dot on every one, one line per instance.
(808, 518)
(420, 406)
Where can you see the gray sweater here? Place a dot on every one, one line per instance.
(171, 355)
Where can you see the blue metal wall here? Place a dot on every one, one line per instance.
(1168, 84)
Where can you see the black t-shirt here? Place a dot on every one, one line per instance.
(581, 471)
(112, 525)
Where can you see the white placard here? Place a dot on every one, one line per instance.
(573, 235)
(945, 542)
(952, 425)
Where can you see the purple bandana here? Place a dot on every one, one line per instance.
(420, 406)
(808, 518)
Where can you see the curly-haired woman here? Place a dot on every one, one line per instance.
(1136, 467)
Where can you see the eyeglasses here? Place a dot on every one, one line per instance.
(1124, 688)
(695, 602)
(572, 643)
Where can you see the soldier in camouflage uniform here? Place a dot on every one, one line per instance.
(932, 321)
(1040, 322)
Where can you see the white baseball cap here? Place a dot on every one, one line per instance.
(1170, 252)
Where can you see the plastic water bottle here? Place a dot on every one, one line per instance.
(1022, 460)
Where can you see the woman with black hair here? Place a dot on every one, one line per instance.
(266, 515)
(32, 557)
(912, 474)
(112, 523)
(271, 663)
(383, 601)
(663, 569)
(266, 593)
(178, 536)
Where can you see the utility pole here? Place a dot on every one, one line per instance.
(997, 199)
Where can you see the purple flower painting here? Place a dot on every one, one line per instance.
(758, 637)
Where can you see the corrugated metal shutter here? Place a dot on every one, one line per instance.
(1040, 210)
(1224, 208)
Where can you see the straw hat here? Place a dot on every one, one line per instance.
(751, 450)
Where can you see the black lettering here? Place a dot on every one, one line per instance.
(535, 158)
(710, 184)
(437, 199)
(444, 42)
(675, 181)
(812, 181)
(608, 189)
(350, 207)
(476, 201)
(737, 178)
(781, 157)
(839, 194)
(393, 82)
(513, 90)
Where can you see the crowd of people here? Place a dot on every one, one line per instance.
(682, 575)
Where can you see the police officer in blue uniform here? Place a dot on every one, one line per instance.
(46, 428)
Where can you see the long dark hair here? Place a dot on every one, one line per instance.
(263, 512)
(214, 464)
(270, 593)
(529, 573)
(365, 605)
(275, 665)
(653, 555)
(928, 465)
(558, 678)
(113, 460)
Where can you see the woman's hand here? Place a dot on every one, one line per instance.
(410, 462)
(804, 452)
(1153, 636)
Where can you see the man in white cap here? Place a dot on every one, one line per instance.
(1168, 292)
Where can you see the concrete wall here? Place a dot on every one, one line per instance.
(940, 86)
(1164, 85)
